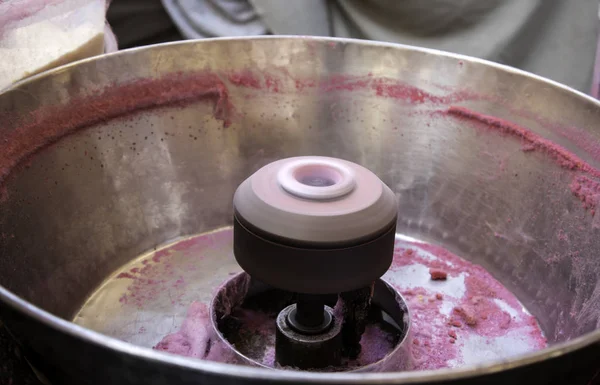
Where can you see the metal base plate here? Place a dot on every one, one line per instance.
(149, 297)
(455, 321)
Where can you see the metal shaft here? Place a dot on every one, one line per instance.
(310, 310)
(309, 315)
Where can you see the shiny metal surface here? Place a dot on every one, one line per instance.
(94, 200)
(143, 308)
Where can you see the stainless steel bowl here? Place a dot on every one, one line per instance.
(108, 158)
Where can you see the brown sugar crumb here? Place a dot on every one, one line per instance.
(438, 275)
(466, 314)
(454, 322)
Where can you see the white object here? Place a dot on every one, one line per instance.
(37, 35)
(316, 178)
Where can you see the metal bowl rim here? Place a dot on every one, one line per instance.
(222, 369)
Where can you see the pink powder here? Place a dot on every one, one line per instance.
(255, 80)
(302, 84)
(155, 275)
(476, 313)
(272, 83)
(583, 187)
(389, 88)
(193, 338)
(245, 78)
(587, 191)
(196, 338)
(531, 141)
(581, 138)
(452, 334)
(454, 322)
(467, 314)
(344, 82)
(375, 343)
(434, 348)
(428, 327)
(382, 87)
(577, 136)
(149, 283)
(49, 124)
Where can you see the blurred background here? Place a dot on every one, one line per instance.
(556, 39)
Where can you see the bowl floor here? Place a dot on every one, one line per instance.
(460, 314)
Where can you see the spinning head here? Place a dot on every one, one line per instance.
(314, 225)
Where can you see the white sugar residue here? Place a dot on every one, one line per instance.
(447, 306)
(475, 349)
(507, 308)
(423, 253)
(417, 275)
(432, 257)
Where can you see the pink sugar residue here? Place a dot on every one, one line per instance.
(185, 245)
(582, 187)
(126, 275)
(304, 84)
(442, 321)
(578, 136)
(396, 90)
(49, 124)
(440, 334)
(196, 338)
(384, 87)
(346, 83)
(156, 274)
(245, 78)
(587, 191)
(272, 83)
(255, 80)
(150, 283)
(466, 313)
(375, 345)
(530, 140)
(582, 139)
(431, 347)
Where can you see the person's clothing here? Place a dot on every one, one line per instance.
(553, 38)
(141, 22)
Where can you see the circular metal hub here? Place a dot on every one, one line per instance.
(293, 321)
(316, 349)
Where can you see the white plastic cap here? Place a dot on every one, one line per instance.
(316, 178)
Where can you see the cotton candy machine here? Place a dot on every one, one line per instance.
(300, 210)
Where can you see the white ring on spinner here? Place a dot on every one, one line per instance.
(331, 179)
